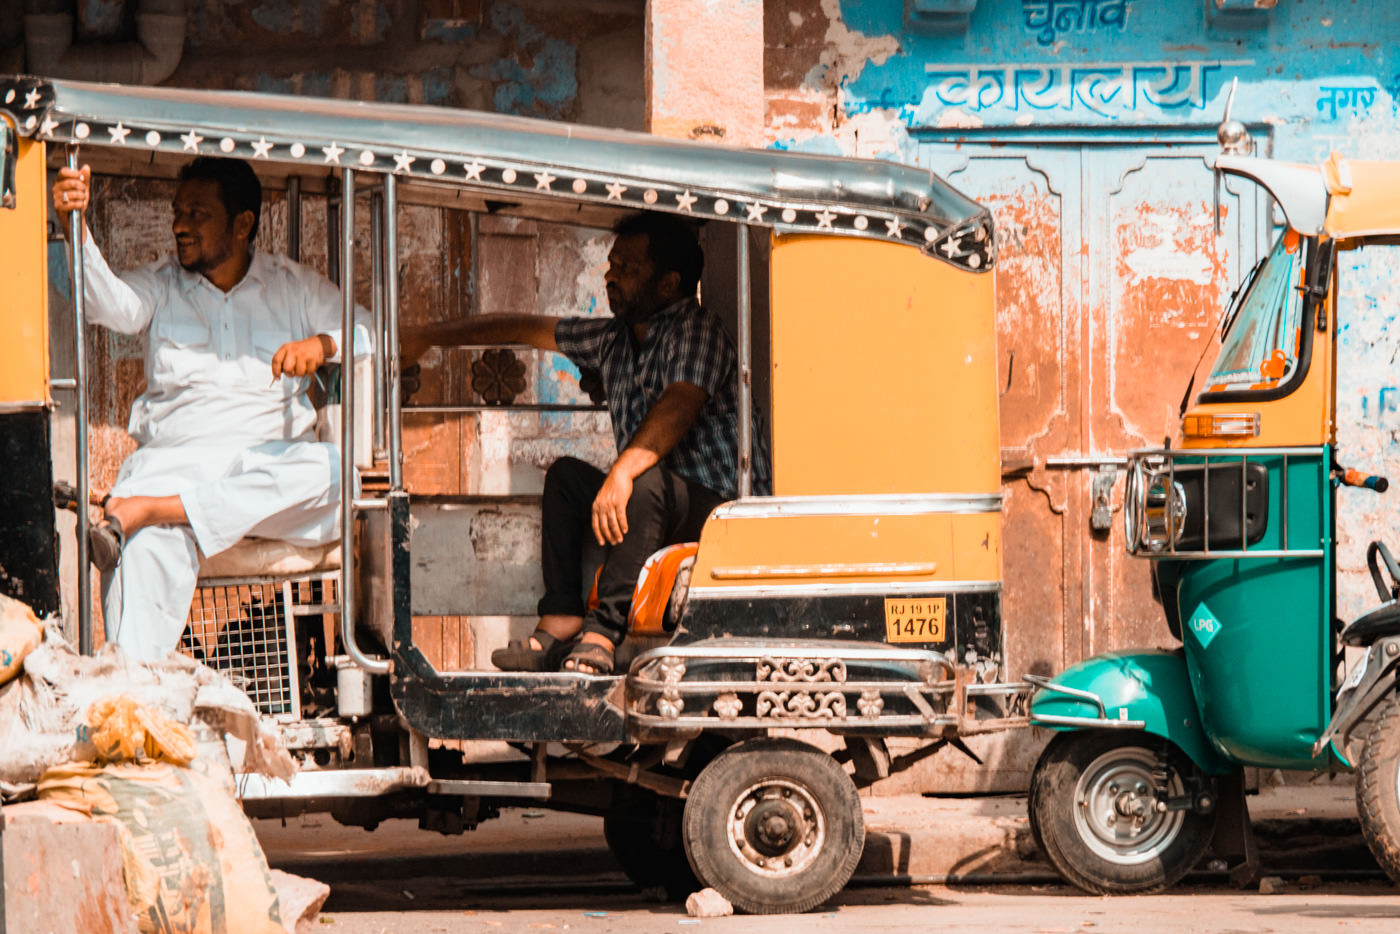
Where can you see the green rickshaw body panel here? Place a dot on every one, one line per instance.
(1257, 631)
(1152, 686)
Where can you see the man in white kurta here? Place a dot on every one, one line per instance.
(225, 430)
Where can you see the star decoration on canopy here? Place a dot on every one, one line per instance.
(118, 133)
(615, 190)
(951, 245)
(191, 141)
(756, 212)
(684, 201)
(402, 160)
(543, 181)
(47, 127)
(894, 228)
(333, 152)
(31, 100)
(824, 219)
(261, 148)
(474, 170)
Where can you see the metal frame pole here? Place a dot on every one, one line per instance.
(294, 218)
(744, 327)
(391, 315)
(347, 428)
(376, 239)
(75, 238)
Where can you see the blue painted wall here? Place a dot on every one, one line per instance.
(1319, 75)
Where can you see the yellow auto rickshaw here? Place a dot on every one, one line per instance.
(859, 603)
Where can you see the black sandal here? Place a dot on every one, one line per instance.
(520, 655)
(105, 544)
(596, 657)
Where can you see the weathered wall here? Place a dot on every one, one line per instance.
(1087, 126)
(578, 61)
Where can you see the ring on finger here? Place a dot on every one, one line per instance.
(65, 197)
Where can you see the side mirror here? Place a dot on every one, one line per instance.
(9, 151)
(1235, 140)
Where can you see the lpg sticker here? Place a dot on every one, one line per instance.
(1204, 625)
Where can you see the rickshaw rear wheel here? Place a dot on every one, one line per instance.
(1094, 796)
(774, 825)
(1378, 789)
(647, 840)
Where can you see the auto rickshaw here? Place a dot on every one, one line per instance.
(859, 603)
(1237, 516)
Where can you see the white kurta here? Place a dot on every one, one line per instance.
(214, 427)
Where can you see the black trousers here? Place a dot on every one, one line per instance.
(664, 509)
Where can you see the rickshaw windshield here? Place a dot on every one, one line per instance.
(1260, 348)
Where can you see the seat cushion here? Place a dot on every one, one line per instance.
(660, 577)
(265, 557)
(1384, 620)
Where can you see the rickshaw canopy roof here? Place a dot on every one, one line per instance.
(508, 157)
(1341, 197)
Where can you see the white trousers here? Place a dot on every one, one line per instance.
(286, 490)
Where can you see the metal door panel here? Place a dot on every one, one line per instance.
(1110, 282)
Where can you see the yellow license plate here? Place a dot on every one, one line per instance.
(923, 619)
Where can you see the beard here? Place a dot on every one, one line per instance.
(206, 259)
(639, 307)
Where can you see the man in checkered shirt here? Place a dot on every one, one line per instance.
(669, 372)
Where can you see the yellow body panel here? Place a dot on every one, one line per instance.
(849, 549)
(1365, 197)
(1299, 418)
(24, 312)
(884, 371)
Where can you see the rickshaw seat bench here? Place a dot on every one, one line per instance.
(1383, 621)
(262, 557)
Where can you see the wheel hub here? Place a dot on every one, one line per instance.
(1116, 810)
(776, 827)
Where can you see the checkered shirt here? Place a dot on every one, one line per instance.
(684, 343)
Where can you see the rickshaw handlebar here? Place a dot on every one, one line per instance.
(1369, 481)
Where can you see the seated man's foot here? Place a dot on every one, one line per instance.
(590, 656)
(540, 652)
(105, 542)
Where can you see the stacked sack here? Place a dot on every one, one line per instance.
(141, 747)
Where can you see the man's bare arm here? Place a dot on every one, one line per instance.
(535, 330)
(662, 429)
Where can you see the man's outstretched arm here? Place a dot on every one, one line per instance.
(662, 429)
(535, 330)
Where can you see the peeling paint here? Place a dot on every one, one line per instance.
(847, 51)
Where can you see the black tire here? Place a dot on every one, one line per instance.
(1377, 794)
(812, 832)
(1093, 801)
(647, 840)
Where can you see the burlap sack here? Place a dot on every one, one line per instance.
(191, 861)
(20, 634)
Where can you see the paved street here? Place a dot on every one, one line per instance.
(536, 870)
(1031, 909)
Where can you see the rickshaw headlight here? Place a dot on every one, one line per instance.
(1163, 514)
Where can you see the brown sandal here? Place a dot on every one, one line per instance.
(105, 543)
(597, 658)
(520, 655)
